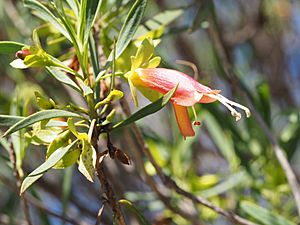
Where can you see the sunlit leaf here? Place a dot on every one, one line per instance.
(88, 13)
(39, 116)
(130, 26)
(45, 14)
(74, 6)
(48, 164)
(10, 47)
(63, 77)
(8, 120)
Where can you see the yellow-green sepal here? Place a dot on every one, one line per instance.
(143, 54)
(133, 92)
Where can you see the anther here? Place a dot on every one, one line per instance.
(197, 123)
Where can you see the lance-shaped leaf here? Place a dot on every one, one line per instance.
(10, 47)
(88, 13)
(129, 27)
(8, 120)
(39, 116)
(74, 4)
(147, 110)
(39, 172)
(42, 12)
(62, 77)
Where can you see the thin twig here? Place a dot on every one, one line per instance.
(110, 195)
(171, 184)
(105, 184)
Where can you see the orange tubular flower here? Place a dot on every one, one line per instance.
(152, 80)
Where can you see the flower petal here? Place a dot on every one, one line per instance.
(183, 121)
(163, 80)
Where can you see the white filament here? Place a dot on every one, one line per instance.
(228, 104)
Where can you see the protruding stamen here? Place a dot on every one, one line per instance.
(247, 111)
(225, 102)
(196, 122)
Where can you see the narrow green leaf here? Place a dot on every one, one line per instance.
(129, 27)
(48, 164)
(8, 120)
(63, 77)
(42, 12)
(139, 215)
(147, 110)
(10, 47)
(74, 6)
(263, 215)
(112, 78)
(88, 13)
(95, 63)
(36, 117)
(94, 55)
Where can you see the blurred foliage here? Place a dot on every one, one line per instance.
(231, 164)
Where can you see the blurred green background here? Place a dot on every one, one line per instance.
(232, 164)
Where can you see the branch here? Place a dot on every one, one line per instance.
(105, 184)
(110, 195)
